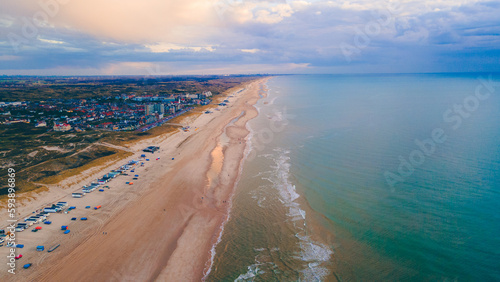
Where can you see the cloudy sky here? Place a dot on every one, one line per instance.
(158, 37)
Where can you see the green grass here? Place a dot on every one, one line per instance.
(58, 170)
(22, 145)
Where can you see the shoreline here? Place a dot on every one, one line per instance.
(263, 93)
(170, 218)
(312, 242)
(219, 186)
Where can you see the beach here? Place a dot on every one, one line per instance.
(164, 226)
(314, 204)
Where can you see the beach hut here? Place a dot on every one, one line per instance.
(50, 210)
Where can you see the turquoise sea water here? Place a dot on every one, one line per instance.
(336, 187)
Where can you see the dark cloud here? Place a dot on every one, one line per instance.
(461, 38)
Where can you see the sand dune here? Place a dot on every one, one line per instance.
(164, 226)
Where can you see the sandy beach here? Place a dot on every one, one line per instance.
(164, 226)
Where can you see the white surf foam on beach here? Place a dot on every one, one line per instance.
(258, 197)
(248, 149)
(263, 264)
(272, 100)
(253, 271)
(213, 252)
(228, 216)
(313, 253)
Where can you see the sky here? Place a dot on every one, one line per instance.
(167, 37)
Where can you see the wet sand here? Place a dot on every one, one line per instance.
(166, 229)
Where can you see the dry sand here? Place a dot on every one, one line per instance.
(164, 226)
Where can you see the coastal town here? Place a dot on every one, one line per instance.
(245, 141)
(124, 112)
(52, 125)
(54, 225)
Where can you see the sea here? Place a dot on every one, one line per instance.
(392, 177)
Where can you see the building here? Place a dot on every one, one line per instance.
(62, 127)
(149, 109)
(171, 109)
(41, 124)
(159, 108)
(151, 149)
(154, 108)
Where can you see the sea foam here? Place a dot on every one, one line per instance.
(313, 253)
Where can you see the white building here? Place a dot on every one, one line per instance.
(41, 123)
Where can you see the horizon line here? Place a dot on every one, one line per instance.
(242, 74)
